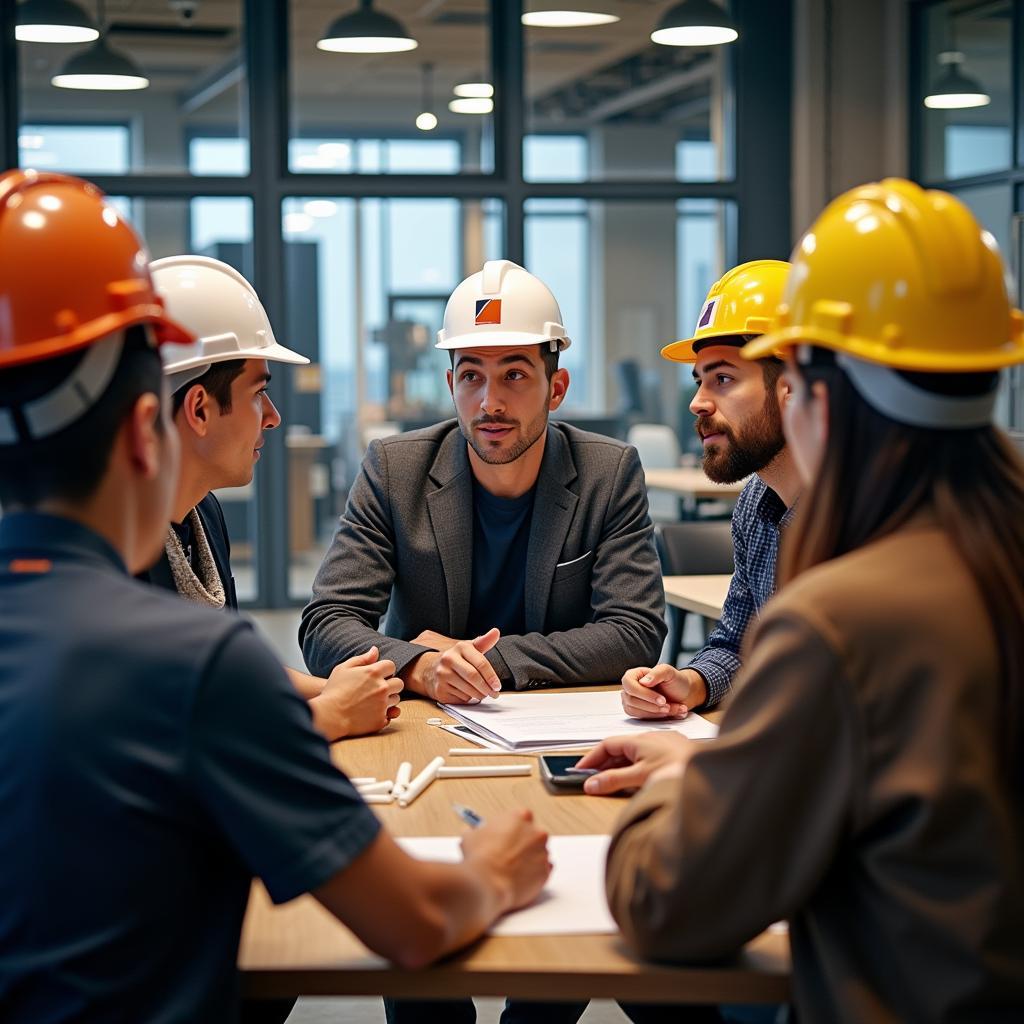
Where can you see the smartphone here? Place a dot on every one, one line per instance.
(555, 770)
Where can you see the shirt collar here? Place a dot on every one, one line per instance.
(35, 533)
(770, 507)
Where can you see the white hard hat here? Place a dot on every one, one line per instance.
(224, 312)
(502, 305)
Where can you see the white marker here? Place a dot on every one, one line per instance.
(484, 771)
(375, 787)
(402, 777)
(378, 798)
(420, 783)
(362, 780)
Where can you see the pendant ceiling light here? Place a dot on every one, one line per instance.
(566, 15)
(695, 23)
(100, 67)
(471, 105)
(53, 21)
(426, 120)
(953, 90)
(366, 31)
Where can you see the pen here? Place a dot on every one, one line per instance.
(469, 816)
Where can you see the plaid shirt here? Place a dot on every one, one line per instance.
(757, 521)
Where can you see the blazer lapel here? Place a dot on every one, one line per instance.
(451, 516)
(553, 509)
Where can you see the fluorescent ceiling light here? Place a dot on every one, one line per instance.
(366, 31)
(564, 18)
(695, 23)
(471, 105)
(426, 122)
(321, 208)
(474, 90)
(53, 21)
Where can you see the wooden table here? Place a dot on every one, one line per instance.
(704, 595)
(690, 482)
(300, 949)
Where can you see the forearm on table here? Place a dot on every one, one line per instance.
(594, 653)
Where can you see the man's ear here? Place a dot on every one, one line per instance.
(143, 435)
(558, 387)
(196, 410)
(782, 390)
(451, 381)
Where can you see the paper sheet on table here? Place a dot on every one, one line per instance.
(516, 720)
(573, 901)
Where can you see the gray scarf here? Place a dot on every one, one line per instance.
(206, 588)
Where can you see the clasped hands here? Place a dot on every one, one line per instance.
(454, 671)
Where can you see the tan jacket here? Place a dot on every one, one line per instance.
(854, 790)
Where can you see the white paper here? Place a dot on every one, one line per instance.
(517, 720)
(571, 903)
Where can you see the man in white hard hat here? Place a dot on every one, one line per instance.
(507, 552)
(221, 408)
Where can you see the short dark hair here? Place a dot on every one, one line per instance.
(771, 367)
(69, 465)
(217, 381)
(549, 358)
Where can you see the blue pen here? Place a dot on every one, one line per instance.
(469, 816)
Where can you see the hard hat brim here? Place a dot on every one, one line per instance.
(687, 350)
(165, 330)
(500, 339)
(272, 353)
(908, 358)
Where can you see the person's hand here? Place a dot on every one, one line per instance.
(662, 692)
(459, 675)
(435, 641)
(512, 852)
(627, 762)
(360, 696)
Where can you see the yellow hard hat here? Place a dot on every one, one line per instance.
(894, 275)
(740, 303)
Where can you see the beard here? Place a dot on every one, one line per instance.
(500, 457)
(746, 451)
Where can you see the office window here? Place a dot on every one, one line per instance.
(629, 278)
(390, 113)
(85, 148)
(974, 39)
(367, 284)
(196, 73)
(632, 101)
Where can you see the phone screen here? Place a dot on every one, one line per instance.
(555, 769)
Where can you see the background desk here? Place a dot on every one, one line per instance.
(704, 595)
(300, 949)
(690, 482)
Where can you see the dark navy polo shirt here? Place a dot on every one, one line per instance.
(501, 536)
(153, 758)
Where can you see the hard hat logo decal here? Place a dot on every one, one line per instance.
(707, 314)
(488, 311)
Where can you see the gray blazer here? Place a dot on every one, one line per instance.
(594, 601)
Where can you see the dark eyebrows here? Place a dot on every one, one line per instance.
(262, 380)
(711, 367)
(515, 357)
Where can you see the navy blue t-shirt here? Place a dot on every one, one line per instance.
(501, 536)
(154, 757)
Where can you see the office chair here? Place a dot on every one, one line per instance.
(692, 548)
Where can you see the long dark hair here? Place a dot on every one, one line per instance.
(875, 474)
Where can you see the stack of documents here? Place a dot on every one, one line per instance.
(532, 722)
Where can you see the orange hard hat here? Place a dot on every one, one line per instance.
(72, 270)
